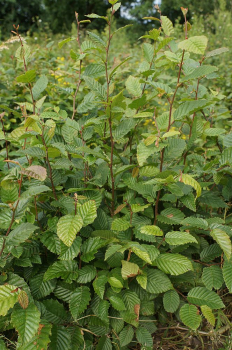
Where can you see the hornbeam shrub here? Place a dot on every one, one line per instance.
(115, 212)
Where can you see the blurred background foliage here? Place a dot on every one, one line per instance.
(58, 15)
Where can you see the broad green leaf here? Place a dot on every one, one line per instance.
(67, 270)
(171, 301)
(212, 277)
(190, 317)
(120, 225)
(217, 52)
(8, 298)
(179, 238)
(157, 281)
(223, 240)
(151, 230)
(99, 285)
(96, 87)
(200, 72)
(65, 41)
(202, 296)
(39, 86)
(144, 337)
(189, 180)
(26, 321)
(189, 107)
(79, 301)
(133, 86)
(88, 212)
(195, 44)
(117, 303)
(174, 264)
(67, 228)
(167, 25)
(27, 77)
(227, 274)
(104, 343)
(210, 253)
(86, 274)
(60, 338)
(41, 339)
(126, 335)
(208, 314)
(129, 269)
(21, 233)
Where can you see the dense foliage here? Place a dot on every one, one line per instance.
(116, 189)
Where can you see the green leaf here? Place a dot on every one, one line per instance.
(90, 247)
(171, 301)
(26, 321)
(212, 277)
(189, 180)
(86, 274)
(174, 264)
(67, 228)
(55, 311)
(120, 225)
(157, 281)
(93, 15)
(200, 72)
(202, 296)
(8, 297)
(192, 221)
(118, 66)
(129, 269)
(216, 52)
(195, 44)
(60, 338)
(144, 337)
(95, 70)
(65, 41)
(151, 230)
(39, 86)
(117, 303)
(27, 77)
(167, 25)
(41, 339)
(79, 301)
(133, 86)
(210, 253)
(223, 240)
(179, 238)
(171, 216)
(69, 253)
(190, 317)
(67, 270)
(88, 212)
(40, 288)
(208, 314)
(189, 107)
(99, 285)
(96, 87)
(21, 233)
(227, 274)
(126, 336)
(96, 39)
(104, 343)
(148, 50)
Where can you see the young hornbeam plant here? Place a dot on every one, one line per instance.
(115, 201)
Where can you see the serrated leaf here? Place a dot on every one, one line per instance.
(157, 281)
(79, 301)
(133, 86)
(223, 240)
(189, 180)
(174, 264)
(120, 225)
(104, 343)
(195, 44)
(227, 274)
(60, 338)
(151, 230)
(41, 339)
(67, 228)
(126, 336)
(210, 253)
(208, 314)
(144, 337)
(212, 277)
(99, 285)
(27, 77)
(190, 317)
(217, 52)
(189, 107)
(67, 270)
(167, 25)
(35, 171)
(129, 269)
(8, 298)
(39, 86)
(96, 87)
(26, 321)
(202, 296)
(88, 212)
(192, 221)
(117, 303)
(23, 299)
(171, 301)
(21, 233)
(200, 72)
(179, 238)
(86, 274)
